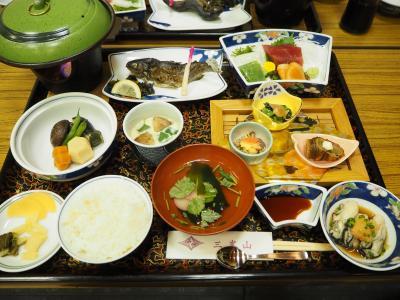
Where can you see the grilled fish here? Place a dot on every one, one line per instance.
(207, 9)
(167, 73)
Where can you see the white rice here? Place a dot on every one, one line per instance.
(105, 220)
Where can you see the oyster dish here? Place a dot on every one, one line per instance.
(158, 73)
(192, 15)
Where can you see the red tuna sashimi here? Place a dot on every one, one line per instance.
(284, 54)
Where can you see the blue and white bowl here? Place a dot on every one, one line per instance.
(377, 200)
(306, 219)
(316, 52)
(30, 139)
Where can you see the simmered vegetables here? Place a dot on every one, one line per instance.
(73, 141)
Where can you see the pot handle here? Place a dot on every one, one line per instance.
(39, 7)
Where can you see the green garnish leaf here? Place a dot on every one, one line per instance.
(242, 50)
(182, 188)
(210, 192)
(163, 136)
(144, 127)
(209, 216)
(196, 206)
(170, 132)
(226, 179)
(288, 40)
(350, 222)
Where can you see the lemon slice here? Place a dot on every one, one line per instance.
(127, 88)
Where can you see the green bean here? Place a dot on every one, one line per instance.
(81, 128)
(74, 127)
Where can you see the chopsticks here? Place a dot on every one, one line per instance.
(300, 246)
(185, 79)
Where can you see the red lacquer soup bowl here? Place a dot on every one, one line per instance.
(177, 165)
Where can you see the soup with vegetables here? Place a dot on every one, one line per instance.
(154, 130)
(200, 194)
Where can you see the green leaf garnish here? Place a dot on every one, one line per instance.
(209, 216)
(242, 50)
(163, 136)
(210, 192)
(182, 188)
(288, 40)
(144, 127)
(196, 206)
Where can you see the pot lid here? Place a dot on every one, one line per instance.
(38, 32)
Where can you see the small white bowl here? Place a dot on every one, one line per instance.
(261, 132)
(348, 146)
(308, 218)
(121, 208)
(153, 153)
(30, 138)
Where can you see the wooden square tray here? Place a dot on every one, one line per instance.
(329, 111)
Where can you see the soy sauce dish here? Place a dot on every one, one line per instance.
(32, 142)
(290, 203)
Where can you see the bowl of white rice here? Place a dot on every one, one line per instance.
(104, 219)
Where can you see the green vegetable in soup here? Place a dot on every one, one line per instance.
(210, 192)
(182, 188)
(209, 216)
(252, 71)
(196, 206)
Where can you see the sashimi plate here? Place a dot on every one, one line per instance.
(165, 18)
(211, 84)
(249, 48)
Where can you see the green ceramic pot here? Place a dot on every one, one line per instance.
(60, 40)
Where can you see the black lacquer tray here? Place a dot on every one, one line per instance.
(139, 29)
(147, 265)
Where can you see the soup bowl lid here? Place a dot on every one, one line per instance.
(38, 33)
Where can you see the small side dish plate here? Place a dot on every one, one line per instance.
(370, 198)
(50, 247)
(211, 84)
(165, 18)
(308, 218)
(348, 146)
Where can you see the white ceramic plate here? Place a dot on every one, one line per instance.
(348, 146)
(15, 264)
(120, 209)
(165, 18)
(209, 85)
(30, 138)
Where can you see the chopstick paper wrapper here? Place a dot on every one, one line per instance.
(185, 246)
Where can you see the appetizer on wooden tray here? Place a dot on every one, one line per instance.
(321, 115)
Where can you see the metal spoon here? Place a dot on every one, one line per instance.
(233, 258)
